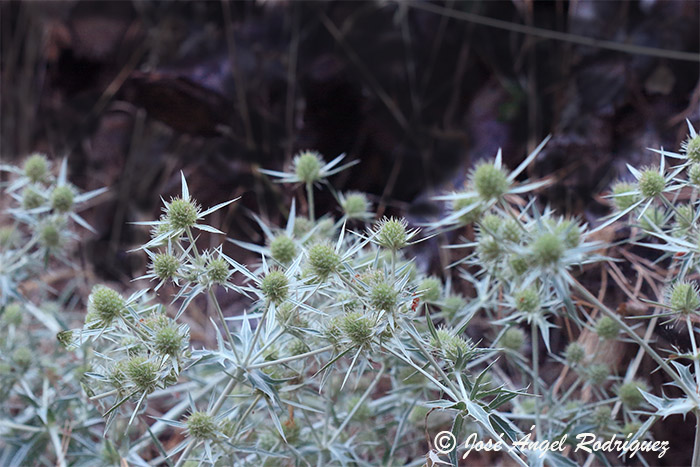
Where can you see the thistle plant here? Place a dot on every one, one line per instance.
(341, 348)
(44, 420)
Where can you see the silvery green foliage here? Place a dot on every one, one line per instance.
(44, 419)
(347, 353)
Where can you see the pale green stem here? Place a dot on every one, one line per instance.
(268, 344)
(536, 378)
(60, 459)
(310, 200)
(245, 415)
(696, 363)
(103, 395)
(258, 329)
(223, 323)
(190, 237)
(291, 358)
(696, 445)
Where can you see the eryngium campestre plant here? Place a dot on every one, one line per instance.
(342, 330)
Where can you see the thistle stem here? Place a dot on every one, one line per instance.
(245, 415)
(220, 313)
(696, 446)
(696, 364)
(291, 358)
(536, 377)
(310, 200)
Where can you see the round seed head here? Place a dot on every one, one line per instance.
(491, 224)
(325, 228)
(106, 304)
(694, 174)
(355, 205)
(357, 328)
(527, 300)
(574, 353)
(302, 226)
(218, 270)
(488, 249)
(684, 298)
(298, 347)
(489, 182)
(8, 237)
(430, 289)
(5, 370)
(283, 249)
(363, 412)
(453, 347)
(323, 260)
(333, 330)
(518, 264)
(624, 195)
(601, 416)
(142, 373)
(651, 183)
(275, 286)
(607, 328)
(22, 356)
(168, 341)
(692, 148)
(157, 320)
(13, 314)
(453, 304)
(471, 216)
(31, 198)
(513, 339)
(547, 249)
(201, 426)
(685, 214)
(570, 231)
(383, 296)
(653, 218)
(630, 395)
(307, 166)
(392, 234)
(49, 235)
(598, 373)
(511, 231)
(36, 168)
(62, 198)
(165, 266)
(182, 213)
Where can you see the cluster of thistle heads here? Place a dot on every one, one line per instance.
(342, 328)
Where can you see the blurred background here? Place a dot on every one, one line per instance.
(134, 92)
